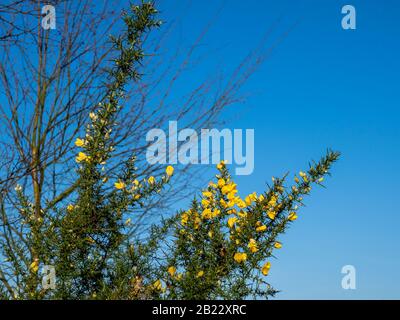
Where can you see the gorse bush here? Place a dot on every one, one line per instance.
(220, 248)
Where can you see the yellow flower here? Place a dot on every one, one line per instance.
(200, 274)
(70, 207)
(119, 185)
(34, 267)
(231, 196)
(221, 183)
(248, 200)
(206, 214)
(128, 221)
(261, 198)
(157, 285)
(79, 142)
(184, 218)
(226, 189)
(242, 214)
(240, 257)
(223, 203)
(197, 222)
(271, 215)
(93, 116)
(207, 194)
(212, 184)
(265, 268)
(169, 171)
(229, 188)
(232, 221)
(210, 234)
(205, 203)
(241, 204)
(171, 270)
(221, 165)
(253, 245)
(278, 245)
(230, 204)
(296, 180)
(136, 182)
(292, 216)
(304, 176)
(272, 201)
(81, 157)
(253, 196)
(261, 228)
(151, 180)
(216, 213)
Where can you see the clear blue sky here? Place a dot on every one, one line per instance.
(322, 87)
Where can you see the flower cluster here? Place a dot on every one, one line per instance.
(228, 240)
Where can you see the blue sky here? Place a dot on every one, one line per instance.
(321, 87)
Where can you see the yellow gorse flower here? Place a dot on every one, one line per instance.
(251, 198)
(205, 203)
(206, 214)
(120, 185)
(93, 116)
(171, 271)
(212, 185)
(261, 228)
(229, 188)
(272, 201)
(79, 142)
(151, 180)
(207, 194)
(304, 176)
(169, 171)
(81, 157)
(240, 257)
(232, 221)
(184, 218)
(271, 214)
(278, 245)
(253, 245)
(34, 266)
(221, 165)
(200, 274)
(157, 285)
(196, 223)
(265, 268)
(70, 207)
(292, 216)
(221, 183)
